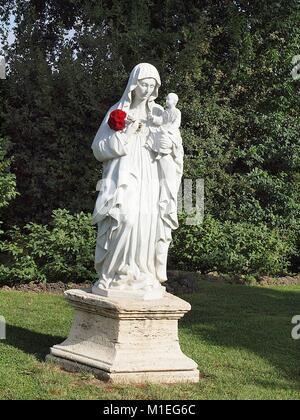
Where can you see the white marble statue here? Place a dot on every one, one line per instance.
(169, 122)
(141, 149)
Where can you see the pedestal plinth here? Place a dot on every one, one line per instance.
(126, 341)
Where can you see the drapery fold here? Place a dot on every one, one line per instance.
(136, 208)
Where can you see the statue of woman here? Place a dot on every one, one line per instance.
(136, 209)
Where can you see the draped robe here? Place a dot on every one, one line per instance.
(136, 208)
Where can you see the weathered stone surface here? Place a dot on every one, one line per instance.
(126, 340)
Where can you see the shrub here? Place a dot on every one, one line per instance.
(229, 247)
(62, 251)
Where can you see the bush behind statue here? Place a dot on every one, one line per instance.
(232, 247)
(64, 250)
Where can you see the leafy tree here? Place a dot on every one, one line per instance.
(7, 179)
(229, 61)
(7, 185)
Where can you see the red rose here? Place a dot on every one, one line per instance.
(117, 120)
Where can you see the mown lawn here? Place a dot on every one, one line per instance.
(239, 335)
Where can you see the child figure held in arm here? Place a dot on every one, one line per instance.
(168, 139)
(166, 143)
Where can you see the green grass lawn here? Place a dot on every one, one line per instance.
(240, 336)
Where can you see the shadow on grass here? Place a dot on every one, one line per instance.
(31, 342)
(256, 319)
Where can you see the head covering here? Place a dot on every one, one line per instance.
(140, 71)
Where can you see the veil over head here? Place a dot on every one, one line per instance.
(140, 71)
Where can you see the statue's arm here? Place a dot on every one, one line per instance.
(109, 144)
(157, 120)
(175, 136)
(112, 146)
(177, 122)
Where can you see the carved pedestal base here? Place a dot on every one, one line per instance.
(157, 293)
(126, 341)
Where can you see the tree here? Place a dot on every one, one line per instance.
(7, 179)
(229, 61)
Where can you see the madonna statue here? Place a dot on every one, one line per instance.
(128, 334)
(136, 209)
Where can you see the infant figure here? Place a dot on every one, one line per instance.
(169, 123)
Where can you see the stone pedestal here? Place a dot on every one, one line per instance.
(126, 341)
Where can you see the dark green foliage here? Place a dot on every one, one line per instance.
(229, 247)
(229, 61)
(7, 180)
(62, 251)
(7, 183)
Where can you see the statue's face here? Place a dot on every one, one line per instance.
(145, 88)
(171, 100)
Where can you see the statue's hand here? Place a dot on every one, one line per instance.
(150, 117)
(132, 128)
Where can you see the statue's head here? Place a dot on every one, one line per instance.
(145, 88)
(144, 81)
(171, 100)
